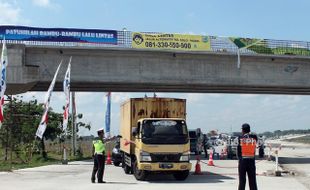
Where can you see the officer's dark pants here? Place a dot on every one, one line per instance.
(99, 162)
(206, 151)
(261, 152)
(247, 166)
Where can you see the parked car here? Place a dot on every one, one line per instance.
(116, 154)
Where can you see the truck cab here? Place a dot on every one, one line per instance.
(157, 144)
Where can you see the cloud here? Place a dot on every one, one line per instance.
(119, 97)
(42, 3)
(191, 15)
(46, 4)
(10, 13)
(196, 98)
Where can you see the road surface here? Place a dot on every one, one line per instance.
(295, 157)
(76, 176)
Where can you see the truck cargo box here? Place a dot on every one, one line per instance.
(138, 108)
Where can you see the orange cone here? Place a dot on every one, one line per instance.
(198, 167)
(109, 161)
(210, 163)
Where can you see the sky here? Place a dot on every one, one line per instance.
(276, 19)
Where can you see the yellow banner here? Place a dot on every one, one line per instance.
(171, 41)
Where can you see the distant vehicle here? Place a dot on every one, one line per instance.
(213, 140)
(116, 154)
(196, 141)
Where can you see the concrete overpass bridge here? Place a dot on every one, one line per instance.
(126, 69)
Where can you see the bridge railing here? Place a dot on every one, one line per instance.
(123, 39)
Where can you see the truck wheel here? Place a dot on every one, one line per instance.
(127, 169)
(139, 174)
(181, 176)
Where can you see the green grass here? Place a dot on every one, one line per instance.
(305, 139)
(36, 161)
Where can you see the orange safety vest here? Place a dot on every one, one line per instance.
(248, 146)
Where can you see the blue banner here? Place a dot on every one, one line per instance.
(108, 115)
(23, 33)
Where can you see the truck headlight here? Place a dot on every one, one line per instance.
(184, 158)
(145, 157)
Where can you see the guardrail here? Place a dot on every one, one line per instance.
(123, 39)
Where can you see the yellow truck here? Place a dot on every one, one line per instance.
(155, 137)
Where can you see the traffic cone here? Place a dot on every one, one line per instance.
(210, 163)
(109, 161)
(198, 167)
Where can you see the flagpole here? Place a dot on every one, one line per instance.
(11, 131)
(108, 116)
(73, 124)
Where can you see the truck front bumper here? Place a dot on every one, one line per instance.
(165, 166)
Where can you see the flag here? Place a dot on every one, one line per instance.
(66, 89)
(43, 123)
(108, 115)
(4, 63)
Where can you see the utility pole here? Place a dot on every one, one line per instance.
(73, 124)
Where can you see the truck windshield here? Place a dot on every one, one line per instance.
(164, 132)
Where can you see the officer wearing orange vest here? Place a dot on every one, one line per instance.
(246, 155)
(99, 157)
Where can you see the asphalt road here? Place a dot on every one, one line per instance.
(295, 157)
(76, 176)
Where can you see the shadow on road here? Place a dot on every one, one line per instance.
(207, 177)
(120, 183)
(294, 160)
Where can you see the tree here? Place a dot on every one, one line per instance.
(21, 122)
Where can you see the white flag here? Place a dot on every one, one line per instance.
(43, 123)
(66, 89)
(4, 63)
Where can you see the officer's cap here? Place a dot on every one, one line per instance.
(100, 130)
(245, 126)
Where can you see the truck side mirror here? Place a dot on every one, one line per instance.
(134, 131)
